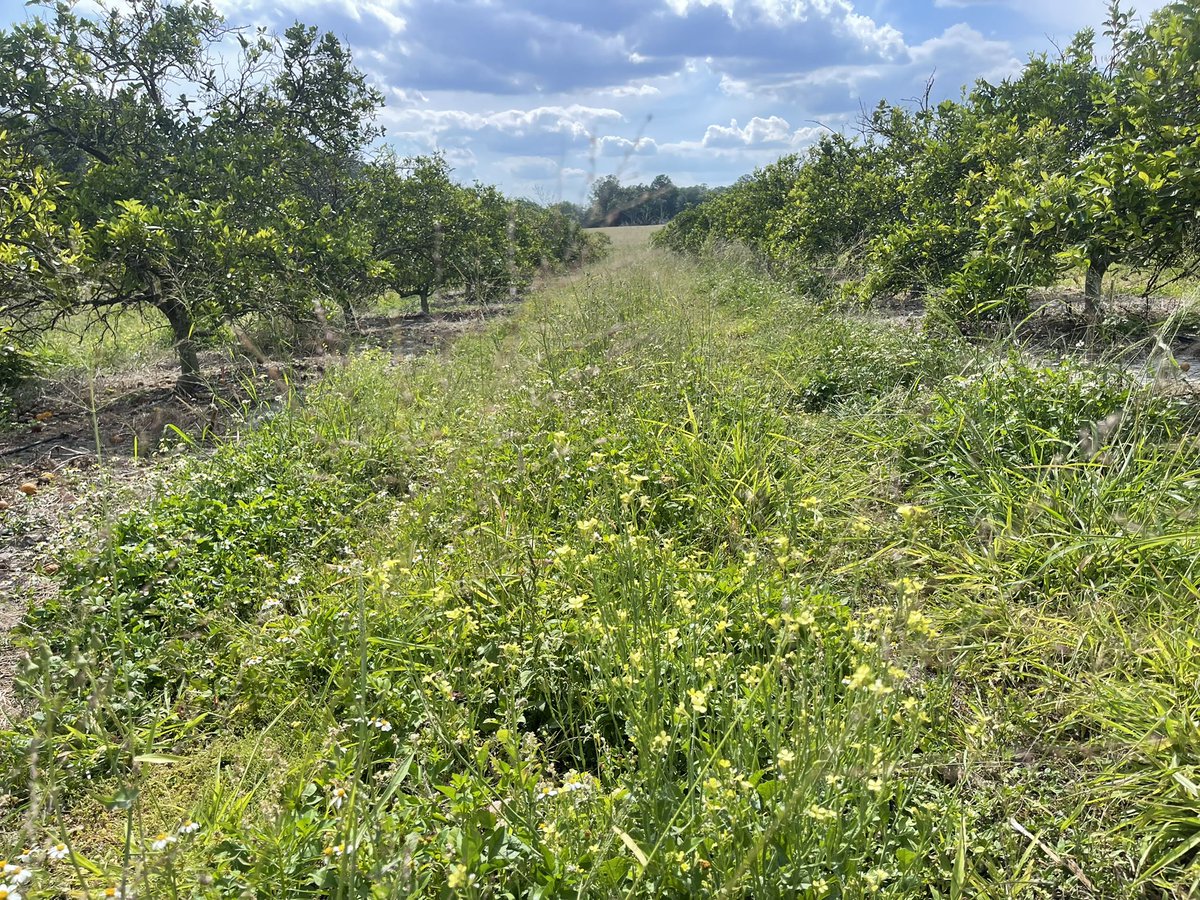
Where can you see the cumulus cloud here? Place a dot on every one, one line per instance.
(963, 48)
(955, 58)
(758, 131)
(827, 17)
(546, 131)
(614, 145)
(555, 46)
(367, 13)
(760, 141)
(527, 90)
(508, 48)
(765, 36)
(630, 90)
(532, 167)
(462, 159)
(574, 120)
(406, 96)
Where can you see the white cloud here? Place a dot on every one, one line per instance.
(960, 44)
(395, 24)
(956, 58)
(575, 119)
(538, 92)
(612, 145)
(406, 96)
(759, 142)
(883, 38)
(531, 167)
(462, 159)
(629, 90)
(385, 12)
(838, 15)
(681, 7)
(758, 131)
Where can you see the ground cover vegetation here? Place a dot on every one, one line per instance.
(681, 580)
(676, 583)
(1083, 162)
(154, 156)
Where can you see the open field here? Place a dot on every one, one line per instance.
(628, 236)
(671, 584)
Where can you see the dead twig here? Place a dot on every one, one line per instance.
(1055, 857)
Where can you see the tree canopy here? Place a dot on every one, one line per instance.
(1077, 162)
(173, 161)
(613, 203)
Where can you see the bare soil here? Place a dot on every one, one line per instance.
(1155, 338)
(80, 442)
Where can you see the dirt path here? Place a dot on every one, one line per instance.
(83, 444)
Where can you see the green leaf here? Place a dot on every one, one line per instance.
(958, 877)
(158, 759)
(123, 799)
(638, 853)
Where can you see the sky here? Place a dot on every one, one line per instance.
(542, 97)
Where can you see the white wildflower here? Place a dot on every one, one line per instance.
(162, 841)
(337, 797)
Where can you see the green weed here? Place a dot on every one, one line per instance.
(675, 586)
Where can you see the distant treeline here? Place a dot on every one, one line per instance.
(1082, 162)
(612, 203)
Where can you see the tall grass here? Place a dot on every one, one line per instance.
(676, 585)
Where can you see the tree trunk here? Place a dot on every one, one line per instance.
(424, 295)
(182, 329)
(346, 304)
(1092, 290)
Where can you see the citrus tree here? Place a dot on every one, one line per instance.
(38, 256)
(818, 225)
(206, 185)
(1129, 194)
(420, 220)
(745, 213)
(37, 253)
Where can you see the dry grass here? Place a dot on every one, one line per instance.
(629, 237)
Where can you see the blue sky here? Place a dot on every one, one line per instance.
(543, 96)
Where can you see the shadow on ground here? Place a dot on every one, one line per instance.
(126, 415)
